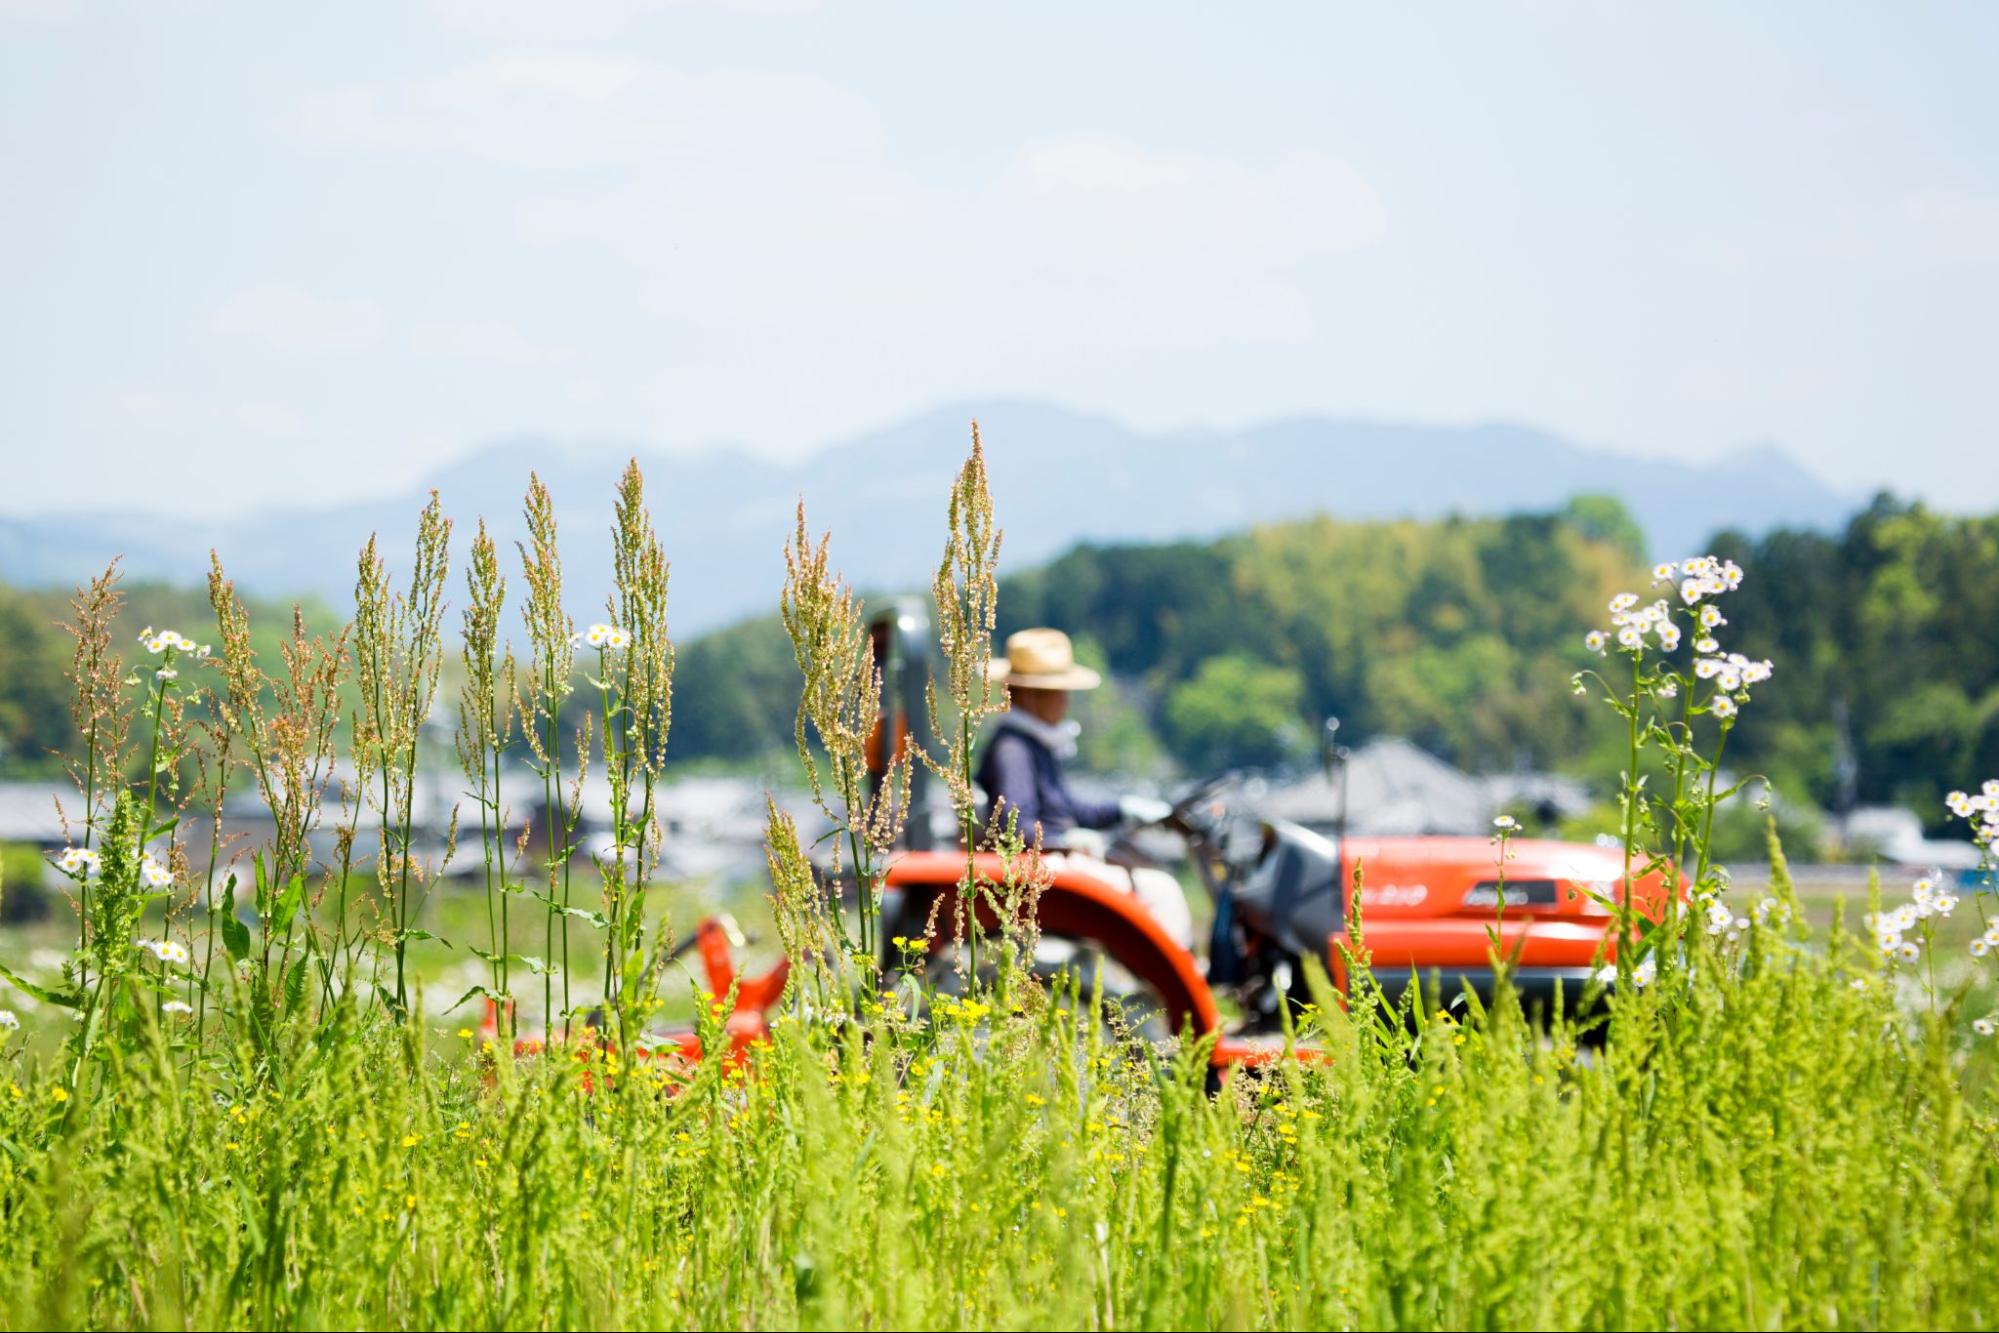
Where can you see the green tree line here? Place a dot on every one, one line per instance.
(1459, 633)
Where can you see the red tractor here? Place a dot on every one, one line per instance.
(1435, 910)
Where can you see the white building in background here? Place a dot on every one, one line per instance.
(1392, 786)
(29, 814)
(1895, 835)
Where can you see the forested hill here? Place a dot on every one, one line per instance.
(1463, 635)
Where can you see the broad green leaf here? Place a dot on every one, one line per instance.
(235, 935)
(66, 999)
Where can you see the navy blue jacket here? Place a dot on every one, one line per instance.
(1019, 773)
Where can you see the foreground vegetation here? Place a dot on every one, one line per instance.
(1779, 1151)
(233, 1109)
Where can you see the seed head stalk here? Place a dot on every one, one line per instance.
(857, 772)
(637, 701)
(401, 650)
(485, 725)
(552, 664)
(966, 591)
(98, 711)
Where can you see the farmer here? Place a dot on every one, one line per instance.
(1021, 775)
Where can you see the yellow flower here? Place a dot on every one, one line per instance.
(411, 1140)
(465, 1034)
(59, 1094)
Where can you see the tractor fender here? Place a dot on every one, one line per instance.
(1079, 905)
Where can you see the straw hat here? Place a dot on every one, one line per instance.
(1041, 659)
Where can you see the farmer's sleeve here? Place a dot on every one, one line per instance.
(1092, 814)
(1011, 786)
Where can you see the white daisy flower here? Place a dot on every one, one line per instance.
(1710, 616)
(1631, 638)
(597, 635)
(8, 1021)
(1982, 1026)
(1595, 639)
(153, 875)
(1690, 591)
(78, 861)
(1664, 572)
(1624, 601)
(619, 638)
(176, 1007)
(1723, 707)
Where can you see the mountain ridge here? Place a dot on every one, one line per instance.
(1059, 477)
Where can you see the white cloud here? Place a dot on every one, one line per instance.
(1954, 225)
(762, 206)
(489, 340)
(575, 20)
(273, 419)
(1101, 202)
(585, 112)
(291, 318)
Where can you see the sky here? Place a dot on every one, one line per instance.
(270, 254)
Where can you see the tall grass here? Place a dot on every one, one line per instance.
(255, 1122)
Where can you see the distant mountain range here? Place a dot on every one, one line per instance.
(1058, 478)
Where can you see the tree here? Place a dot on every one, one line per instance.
(1237, 712)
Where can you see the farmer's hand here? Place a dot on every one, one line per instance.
(1143, 809)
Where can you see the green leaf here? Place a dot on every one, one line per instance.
(235, 935)
(294, 989)
(476, 990)
(288, 903)
(66, 999)
(161, 830)
(415, 934)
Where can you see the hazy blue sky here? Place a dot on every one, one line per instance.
(268, 250)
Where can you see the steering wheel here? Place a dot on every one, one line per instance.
(1183, 818)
